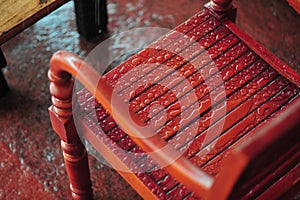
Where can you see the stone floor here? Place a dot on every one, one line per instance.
(31, 165)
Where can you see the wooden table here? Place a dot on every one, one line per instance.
(17, 15)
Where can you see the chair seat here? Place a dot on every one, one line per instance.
(254, 90)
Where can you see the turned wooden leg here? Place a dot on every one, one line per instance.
(91, 17)
(74, 153)
(76, 160)
(222, 8)
(3, 84)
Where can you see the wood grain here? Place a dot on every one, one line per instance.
(16, 15)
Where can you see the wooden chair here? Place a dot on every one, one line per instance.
(15, 16)
(256, 154)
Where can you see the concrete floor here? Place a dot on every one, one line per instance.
(31, 165)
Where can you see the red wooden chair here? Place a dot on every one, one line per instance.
(257, 152)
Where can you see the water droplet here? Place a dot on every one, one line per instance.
(228, 74)
(166, 103)
(144, 53)
(213, 55)
(202, 14)
(244, 91)
(247, 77)
(212, 71)
(150, 95)
(185, 89)
(184, 30)
(168, 56)
(257, 97)
(266, 95)
(158, 48)
(147, 101)
(173, 113)
(168, 133)
(136, 61)
(159, 59)
(194, 83)
(116, 76)
(123, 70)
(239, 67)
(132, 79)
(251, 91)
(234, 79)
(157, 78)
(151, 60)
(263, 109)
(187, 72)
(189, 22)
(142, 105)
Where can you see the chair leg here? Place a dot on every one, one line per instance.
(76, 162)
(3, 84)
(74, 152)
(75, 157)
(91, 17)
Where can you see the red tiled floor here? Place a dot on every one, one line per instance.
(30, 148)
(17, 174)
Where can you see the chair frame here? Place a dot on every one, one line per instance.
(64, 65)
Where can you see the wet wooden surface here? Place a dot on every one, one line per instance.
(16, 15)
(254, 92)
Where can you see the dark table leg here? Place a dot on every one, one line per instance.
(3, 85)
(91, 17)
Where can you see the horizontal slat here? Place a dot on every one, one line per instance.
(169, 39)
(180, 63)
(251, 121)
(223, 143)
(283, 185)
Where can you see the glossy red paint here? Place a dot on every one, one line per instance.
(249, 156)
